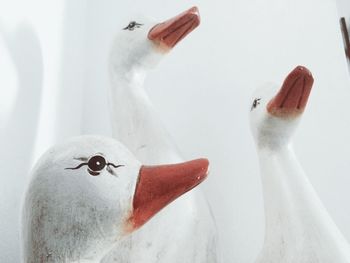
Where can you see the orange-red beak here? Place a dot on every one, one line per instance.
(158, 186)
(170, 32)
(292, 98)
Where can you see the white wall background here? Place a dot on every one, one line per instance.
(343, 8)
(54, 82)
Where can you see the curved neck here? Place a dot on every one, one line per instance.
(135, 122)
(287, 191)
(296, 221)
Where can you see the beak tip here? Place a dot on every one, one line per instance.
(203, 163)
(292, 98)
(194, 11)
(170, 32)
(303, 71)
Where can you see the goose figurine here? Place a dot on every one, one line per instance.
(85, 195)
(136, 50)
(298, 227)
(186, 231)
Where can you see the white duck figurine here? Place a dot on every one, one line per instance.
(87, 194)
(186, 232)
(298, 227)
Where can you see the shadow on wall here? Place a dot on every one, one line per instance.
(71, 72)
(17, 138)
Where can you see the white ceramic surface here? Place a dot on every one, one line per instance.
(298, 229)
(185, 232)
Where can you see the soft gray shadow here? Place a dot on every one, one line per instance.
(72, 73)
(17, 139)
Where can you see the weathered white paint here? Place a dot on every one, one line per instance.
(71, 216)
(298, 228)
(185, 232)
(238, 45)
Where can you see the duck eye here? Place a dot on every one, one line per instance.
(96, 163)
(132, 25)
(255, 104)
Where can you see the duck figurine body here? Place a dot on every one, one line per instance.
(298, 227)
(186, 232)
(89, 193)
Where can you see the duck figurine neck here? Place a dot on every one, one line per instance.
(298, 227)
(188, 222)
(135, 122)
(135, 52)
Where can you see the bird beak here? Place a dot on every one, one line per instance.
(291, 99)
(167, 34)
(158, 186)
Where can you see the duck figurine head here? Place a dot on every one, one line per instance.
(275, 111)
(142, 43)
(86, 194)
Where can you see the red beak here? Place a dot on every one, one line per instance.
(291, 99)
(158, 186)
(170, 32)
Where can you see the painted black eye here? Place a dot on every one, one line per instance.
(132, 25)
(97, 163)
(255, 104)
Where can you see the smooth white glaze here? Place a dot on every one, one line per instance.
(298, 227)
(184, 232)
(71, 216)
